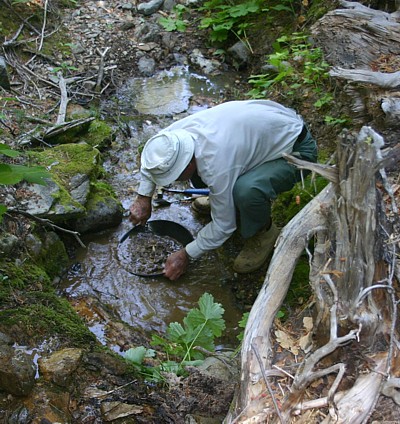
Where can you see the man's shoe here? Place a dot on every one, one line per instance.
(256, 250)
(202, 205)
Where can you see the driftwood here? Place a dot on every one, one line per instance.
(347, 268)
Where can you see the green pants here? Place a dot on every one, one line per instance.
(254, 191)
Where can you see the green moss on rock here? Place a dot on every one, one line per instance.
(31, 307)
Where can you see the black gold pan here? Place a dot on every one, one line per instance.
(161, 228)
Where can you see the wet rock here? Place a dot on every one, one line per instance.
(206, 65)
(17, 371)
(59, 367)
(100, 214)
(150, 7)
(20, 416)
(105, 362)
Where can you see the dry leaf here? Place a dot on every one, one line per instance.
(286, 341)
(308, 323)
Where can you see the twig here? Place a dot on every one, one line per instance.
(64, 99)
(101, 68)
(115, 390)
(11, 41)
(254, 347)
(48, 223)
(44, 25)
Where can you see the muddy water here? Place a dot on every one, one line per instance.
(150, 304)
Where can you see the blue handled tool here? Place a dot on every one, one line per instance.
(199, 191)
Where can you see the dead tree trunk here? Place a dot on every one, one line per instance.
(352, 276)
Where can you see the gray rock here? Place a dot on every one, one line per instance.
(206, 65)
(41, 198)
(240, 53)
(7, 243)
(5, 340)
(33, 244)
(150, 7)
(148, 32)
(80, 188)
(147, 66)
(4, 81)
(102, 214)
(17, 371)
(168, 5)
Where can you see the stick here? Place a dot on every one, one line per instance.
(43, 26)
(48, 223)
(267, 383)
(64, 99)
(101, 68)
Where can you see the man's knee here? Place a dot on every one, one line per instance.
(246, 194)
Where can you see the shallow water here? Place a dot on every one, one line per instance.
(150, 304)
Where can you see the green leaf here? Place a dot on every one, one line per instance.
(175, 332)
(7, 151)
(7, 176)
(209, 313)
(13, 174)
(136, 354)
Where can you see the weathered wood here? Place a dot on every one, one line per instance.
(358, 36)
(345, 219)
(380, 79)
(290, 245)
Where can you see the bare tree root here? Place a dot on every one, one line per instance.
(290, 245)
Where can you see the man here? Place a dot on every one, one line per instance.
(236, 149)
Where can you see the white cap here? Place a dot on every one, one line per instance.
(166, 155)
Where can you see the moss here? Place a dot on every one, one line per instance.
(100, 135)
(290, 203)
(17, 277)
(53, 257)
(30, 305)
(68, 160)
(46, 315)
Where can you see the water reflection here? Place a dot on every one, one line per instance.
(150, 304)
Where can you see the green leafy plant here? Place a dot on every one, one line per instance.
(294, 63)
(64, 68)
(175, 22)
(223, 19)
(200, 327)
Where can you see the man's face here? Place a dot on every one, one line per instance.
(188, 171)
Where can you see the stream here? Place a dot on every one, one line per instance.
(150, 304)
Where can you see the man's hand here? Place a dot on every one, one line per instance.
(176, 264)
(140, 210)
